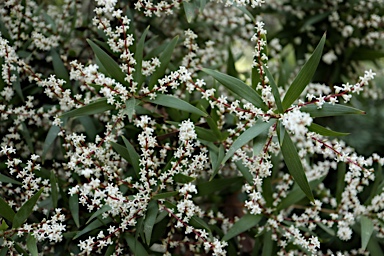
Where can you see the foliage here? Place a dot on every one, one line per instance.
(127, 128)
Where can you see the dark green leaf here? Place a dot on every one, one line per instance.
(74, 208)
(93, 225)
(176, 103)
(327, 229)
(181, 178)
(197, 222)
(4, 225)
(189, 9)
(130, 108)
(6, 179)
(32, 245)
(267, 244)
(25, 210)
(366, 231)
(164, 195)
(330, 110)
(89, 126)
(293, 162)
(216, 185)
(96, 107)
(6, 210)
(340, 184)
(205, 134)
(102, 210)
(164, 60)
(238, 87)
(109, 64)
(325, 131)
(51, 136)
(138, 76)
(59, 67)
(27, 137)
(133, 155)
(244, 171)
(275, 90)
(136, 247)
(216, 165)
(304, 77)
(54, 191)
(231, 69)
(245, 223)
(150, 219)
(258, 128)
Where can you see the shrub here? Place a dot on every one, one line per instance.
(127, 128)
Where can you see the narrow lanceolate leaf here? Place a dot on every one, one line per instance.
(325, 131)
(176, 103)
(216, 185)
(54, 189)
(96, 107)
(138, 76)
(93, 225)
(330, 110)
(6, 211)
(150, 219)
(189, 9)
(133, 155)
(181, 178)
(366, 231)
(238, 87)
(164, 60)
(25, 210)
(275, 90)
(136, 247)
(130, 108)
(74, 208)
(258, 128)
(32, 245)
(245, 223)
(293, 162)
(51, 136)
(305, 75)
(6, 179)
(109, 64)
(165, 195)
(217, 163)
(102, 210)
(59, 67)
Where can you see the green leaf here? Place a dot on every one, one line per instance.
(293, 162)
(150, 219)
(244, 171)
(181, 178)
(32, 245)
(4, 225)
(366, 53)
(6, 210)
(74, 208)
(93, 225)
(189, 9)
(205, 134)
(54, 191)
(176, 103)
(51, 136)
(164, 195)
(330, 110)
(96, 107)
(327, 229)
(6, 179)
(366, 231)
(109, 64)
(133, 155)
(216, 185)
(267, 244)
(246, 222)
(130, 108)
(27, 137)
(59, 67)
(304, 77)
(296, 194)
(217, 163)
(164, 60)
(25, 210)
(136, 247)
(231, 69)
(89, 126)
(197, 222)
(138, 76)
(275, 90)
(238, 87)
(258, 128)
(340, 184)
(325, 131)
(102, 210)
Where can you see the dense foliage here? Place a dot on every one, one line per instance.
(190, 127)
